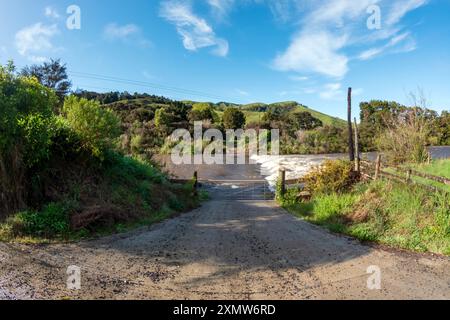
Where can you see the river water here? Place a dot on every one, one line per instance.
(297, 166)
(267, 167)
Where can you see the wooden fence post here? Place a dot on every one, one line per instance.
(282, 177)
(408, 175)
(357, 157)
(378, 167)
(195, 186)
(351, 145)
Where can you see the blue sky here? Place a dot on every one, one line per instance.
(242, 51)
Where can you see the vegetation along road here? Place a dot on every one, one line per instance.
(227, 249)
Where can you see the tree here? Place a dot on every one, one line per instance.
(202, 112)
(97, 127)
(274, 113)
(163, 118)
(375, 116)
(442, 126)
(26, 128)
(303, 121)
(405, 139)
(52, 75)
(233, 119)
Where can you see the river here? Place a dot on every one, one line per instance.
(267, 167)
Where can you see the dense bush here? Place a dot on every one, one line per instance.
(26, 128)
(202, 112)
(405, 139)
(163, 119)
(326, 139)
(52, 221)
(25, 111)
(303, 121)
(333, 176)
(97, 127)
(233, 119)
(37, 133)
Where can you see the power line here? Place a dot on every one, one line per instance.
(92, 76)
(113, 79)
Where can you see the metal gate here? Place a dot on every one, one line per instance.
(238, 190)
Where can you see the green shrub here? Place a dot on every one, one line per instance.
(405, 139)
(333, 176)
(51, 222)
(98, 128)
(163, 118)
(37, 134)
(26, 125)
(233, 118)
(25, 115)
(65, 141)
(202, 112)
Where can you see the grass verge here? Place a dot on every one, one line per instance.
(440, 168)
(383, 212)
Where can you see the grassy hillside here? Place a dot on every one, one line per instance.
(145, 135)
(253, 112)
(326, 119)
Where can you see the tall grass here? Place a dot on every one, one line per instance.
(386, 213)
(438, 168)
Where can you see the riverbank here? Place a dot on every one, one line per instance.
(385, 212)
(297, 166)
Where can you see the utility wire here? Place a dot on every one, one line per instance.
(92, 76)
(113, 79)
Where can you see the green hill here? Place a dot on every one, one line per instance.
(144, 109)
(254, 111)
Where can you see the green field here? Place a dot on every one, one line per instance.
(438, 168)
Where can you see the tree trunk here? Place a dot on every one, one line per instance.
(357, 155)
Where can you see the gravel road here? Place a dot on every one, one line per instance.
(223, 250)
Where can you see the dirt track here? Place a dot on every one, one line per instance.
(224, 250)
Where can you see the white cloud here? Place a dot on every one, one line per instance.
(31, 42)
(50, 12)
(127, 33)
(281, 9)
(329, 29)
(409, 44)
(242, 92)
(298, 78)
(195, 31)
(401, 7)
(309, 90)
(114, 31)
(221, 7)
(315, 52)
(332, 91)
(370, 53)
